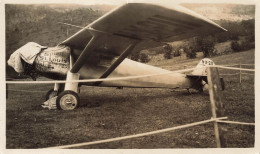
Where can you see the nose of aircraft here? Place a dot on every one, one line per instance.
(22, 59)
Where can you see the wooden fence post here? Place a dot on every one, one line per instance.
(240, 74)
(184, 67)
(217, 106)
(6, 91)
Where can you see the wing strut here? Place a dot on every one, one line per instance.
(84, 55)
(117, 62)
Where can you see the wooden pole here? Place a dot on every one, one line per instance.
(217, 106)
(185, 66)
(240, 74)
(6, 91)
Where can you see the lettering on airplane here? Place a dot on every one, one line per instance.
(53, 60)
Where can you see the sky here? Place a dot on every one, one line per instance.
(118, 2)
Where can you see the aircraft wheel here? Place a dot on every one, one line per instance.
(50, 94)
(67, 100)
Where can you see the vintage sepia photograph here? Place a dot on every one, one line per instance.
(130, 75)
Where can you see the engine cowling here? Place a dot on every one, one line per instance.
(53, 62)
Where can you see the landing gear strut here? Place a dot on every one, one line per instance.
(69, 98)
(50, 94)
(58, 88)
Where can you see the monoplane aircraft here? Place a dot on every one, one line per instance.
(99, 51)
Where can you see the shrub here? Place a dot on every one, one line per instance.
(176, 53)
(135, 55)
(222, 37)
(206, 45)
(168, 55)
(246, 45)
(168, 51)
(251, 38)
(190, 52)
(144, 58)
(233, 36)
(235, 46)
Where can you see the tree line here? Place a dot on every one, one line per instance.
(39, 23)
(240, 33)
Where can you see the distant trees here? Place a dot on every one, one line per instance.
(144, 58)
(207, 45)
(168, 51)
(235, 46)
(236, 29)
(25, 23)
(242, 45)
(191, 51)
(39, 23)
(140, 56)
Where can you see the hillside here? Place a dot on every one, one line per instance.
(69, 6)
(39, 23)
(231, 12)
(26, 23)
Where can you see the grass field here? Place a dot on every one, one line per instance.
(108, 112)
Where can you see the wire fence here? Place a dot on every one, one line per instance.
(32, 91)
(218, 120)
(124, 78)
(138, 135)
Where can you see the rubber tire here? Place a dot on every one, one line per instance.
(47, 97)
(62, 94)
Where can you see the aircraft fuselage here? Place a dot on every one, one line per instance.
(55, 65)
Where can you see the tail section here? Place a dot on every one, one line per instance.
(199, 75)
(201, 70)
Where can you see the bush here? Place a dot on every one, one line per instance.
(233, 36)
(251, 38)
(168, 55)
(190, 52)
(235, 46)
(206, 45)
(135, 56)
(140, 56)
(168, 51)
(176, 53)
(222, 37)
(244, 45)
(144, 58)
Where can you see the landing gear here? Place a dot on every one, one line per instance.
(188, 89)
(50, 94)
(67, 100)
(204, 87)
(58, 88)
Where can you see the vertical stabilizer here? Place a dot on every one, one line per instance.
(202, 64)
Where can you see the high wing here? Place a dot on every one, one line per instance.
(131, 27)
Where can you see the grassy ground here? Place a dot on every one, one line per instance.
(109, 112)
